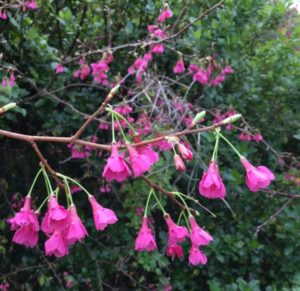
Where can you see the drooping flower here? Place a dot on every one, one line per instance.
(116, 168)
(157, 49)
(196, 257)
(228, 70)
(198, 235)
(139, 162)
(56, 218)
(218, 80)
(12, 79)
(211, 185)
(165, 14)
(257, 137)
(146, 151)
(179, 67)
(56, 245)
(185, 152)
(26, 224)
(174, 250)
(102, 216)
(76, 230)
(245, 136)
(31, 4)
(257, 177)
(179, 164)
(201, 77)
(3, 15)
(145, 240)
(176, 233)
(59, 69)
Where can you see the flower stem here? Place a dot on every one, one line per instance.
(160, 205)
(34, 182)
(47, 181)
(183, 201)
(121, 129)
(147, 203)
(231, 145)
(113, 129)
(42, 204)
(75, 182)
(216, 149)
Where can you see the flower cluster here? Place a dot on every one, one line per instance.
(62, 226)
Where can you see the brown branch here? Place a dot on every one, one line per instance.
(274, 192)
(99, 110)
(46, 164)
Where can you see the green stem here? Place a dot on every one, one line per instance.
(113, 128)
(122, 132)
(75, 182)
(186, 220)
(183, 201)
(231, 145)
(160, 205)
(47, 181)
(216, 149)
(118, 115)
(34, 182)
(180, 215)
(147, 203)
(42, 204)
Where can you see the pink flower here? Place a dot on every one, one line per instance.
(196, 257)
(179, 164)
(245, 136)
(56, 218)
(179, 67)
(211, 185)
(149, 153)
(185, 152)
(176, 233)
(31, 4)
(4, 83)
(3, 15)
(102, 216)
(198, 235)
(174, 250)
(75, 189)
(56, 245)
(12, 79)
(257, 137)
(116, 168)
(157, 49)
(218, 80)
(228, 70)
(139, 162)
(201, 77)
(165, 14)
(257, 177)
(148, 57)
(159, 33)
(145, 240)
(26, 223)
(59, 69)
(76, 230)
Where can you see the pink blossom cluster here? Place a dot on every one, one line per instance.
(246, 136)
(82, 152)
(4, 286)
(140, 159)
(100, 69)
(145, 240)
(185, 153)
(205, 76)
(9, 82)
(83, 71)
(140, 66)
(62, 226)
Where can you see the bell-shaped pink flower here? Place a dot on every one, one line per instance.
(257, 137)
(12, 79)
(211, 185)
(56, 217)
(185, 152)
(59, 69)
(76, 230)
(179, 67)
(157, 49)
(139, 162)
(148, 153)
(165, 14)
(102, 216)
(196, 257)
(257, 177)
(56, 245)
(26, 236)
(201, 77)
(179, 164)
(198, 235)
(176, 233)
(174, 250)
(145, 240)
(116, 168)
(26, 223)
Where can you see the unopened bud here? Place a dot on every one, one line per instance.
(115, 89)
(7, 107)
(198, 117)
(231, 119)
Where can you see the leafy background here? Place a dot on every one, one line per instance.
(260, 39)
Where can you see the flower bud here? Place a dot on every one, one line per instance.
(231, 119)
